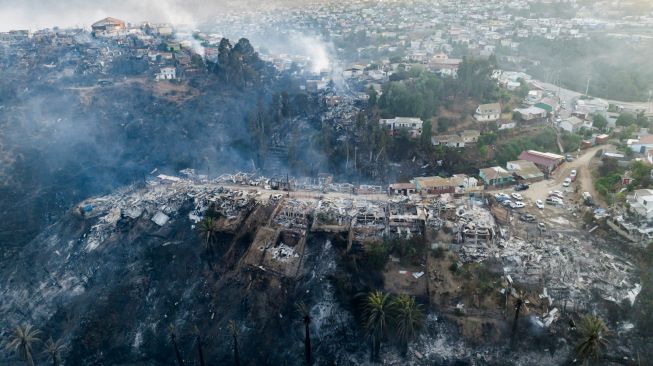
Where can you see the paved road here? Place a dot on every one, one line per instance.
(569, 97)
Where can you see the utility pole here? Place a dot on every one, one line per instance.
(587, 90)
(650, 92)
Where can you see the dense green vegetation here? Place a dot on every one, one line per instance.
(420, 93)
(618, 70)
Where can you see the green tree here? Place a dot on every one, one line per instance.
(600, 122)
(593, 333)
(407, 318)
(209, 228)
(377, 309)
(22, 340)
(427, 131)
(626, 119)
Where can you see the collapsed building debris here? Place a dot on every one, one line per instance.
(161, 202)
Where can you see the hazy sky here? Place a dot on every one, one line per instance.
(37, 14)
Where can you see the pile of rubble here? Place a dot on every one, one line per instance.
(333, 213)
(567, 267)
(294, 214)
(160, 201)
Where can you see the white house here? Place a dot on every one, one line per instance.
(167, 73)
(641, 203)
(573, 124)
(413, 125)
(488, 112)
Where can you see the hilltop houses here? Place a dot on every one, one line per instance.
(488, 112)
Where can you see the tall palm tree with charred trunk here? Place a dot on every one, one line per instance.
(593, 332)
(306, 318)
(233, 330)
(173, 338)
(407, 319)
(376, 315)
(198, 339)
(22, 341)
(520, 304)
(53, 348)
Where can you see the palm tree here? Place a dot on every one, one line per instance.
(306, 318)
(233, 329)
(173, 339)
(198, 338)
(376, 314)
(208, 226)
(407, 318)
(22, 340)
(520, 304)
(593, 332)
(53, 348)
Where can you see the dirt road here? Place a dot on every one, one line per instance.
(581, 164)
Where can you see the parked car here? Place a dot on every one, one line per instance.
(539, 204)
(517, 196)
(501, 197)
(527, 218)
(521, 187)
(541, 226)
(517, 204)
(573, 173)
(587, 199)
(551, 200)
(568, 157)
(567, 182)
(506, 203)
(557, 194)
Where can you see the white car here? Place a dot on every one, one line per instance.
(567, 182)
(573, 173)
(517, 204)
(517, 196)
(539, 204)
(557, 194)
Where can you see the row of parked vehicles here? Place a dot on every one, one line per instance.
(514, 200)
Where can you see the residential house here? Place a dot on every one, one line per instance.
(470, 136)
(641, 204)
(402, 189)
(167, 73)
(642, 144)
(412, 125)
(108, 27)
(488, 112)
(525, 170)
(458, 183)
(547, 162)
(573, 124)
(531, 113)
(496, 176)
(448, 141)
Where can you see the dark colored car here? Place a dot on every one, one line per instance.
(521, 187)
